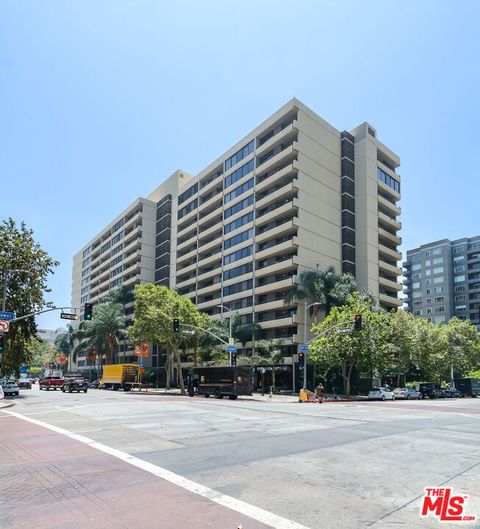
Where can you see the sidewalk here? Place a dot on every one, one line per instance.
(50, 481)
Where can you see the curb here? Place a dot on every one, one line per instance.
(6, 405)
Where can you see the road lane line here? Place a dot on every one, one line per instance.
(257, 513)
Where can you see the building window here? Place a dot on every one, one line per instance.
(237, 271)
(239, 254)
(460, 288)
(187, 209)
(438, 260)
(438, 290)
(416, 285)
(436, 251)
(428, 301)
(118, 225)
(238, 207)
(416, 276)
(438, 279)
(460, 308)
(474, 245)
(458, 249)
(238, 223)
(238, 191)
(428, 253)
(416, 267)
(428, 272)
(459, 279)
(387, 179)
(459, 268)
(441, 308)
(438, 270)
(416, 295)
(417, 303)
(238, 287)
(415, 258)
(458, 258)
(237, 239)
(239, 155)
(188, 193)
(86, 262)
(439, 319)
(87, 251)
(440, 299)
(428, 291)
(239, 173)
(459, 298)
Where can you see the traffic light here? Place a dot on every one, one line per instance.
(358, 322)
(234, 359)
(301, 360)
(88, 312)
(176, 325)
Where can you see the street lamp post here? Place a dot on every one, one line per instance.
(230, 338)
(316, 304)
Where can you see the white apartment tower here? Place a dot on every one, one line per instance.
(294, 194)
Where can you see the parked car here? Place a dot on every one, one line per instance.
(1, 393)
(24, 383)
(452, 393)
(9, 387)
(430, 390)
(95, 384)
(407, 393)
(381, 394)
(75, 384)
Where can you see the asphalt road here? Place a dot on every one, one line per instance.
(335, 465)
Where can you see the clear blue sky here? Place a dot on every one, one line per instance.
(100, 101)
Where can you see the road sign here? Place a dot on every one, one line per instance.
(231, 349)
(304, 348)
(60, 359)
(7, 315)
(342, 331)
(68, 316)
(23, 370)
(141, 350)
(4, 326)
(141, 365)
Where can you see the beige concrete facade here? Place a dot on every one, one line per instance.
(294, 194)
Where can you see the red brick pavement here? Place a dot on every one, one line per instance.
(48, 480)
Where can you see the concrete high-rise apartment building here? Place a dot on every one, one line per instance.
(443, 280)
(295, 194)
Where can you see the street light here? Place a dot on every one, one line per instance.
(230, 338)
(5, 275)
(316, 304)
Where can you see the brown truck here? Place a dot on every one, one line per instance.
(51, 379)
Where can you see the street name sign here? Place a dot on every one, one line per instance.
(68, 316)
(304, 348)
(231, 349)
(4, 326)
(7, 315)
(344, 331)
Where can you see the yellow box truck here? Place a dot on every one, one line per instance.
(122, 376)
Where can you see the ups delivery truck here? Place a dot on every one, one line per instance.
(468, 387)
(220, 381)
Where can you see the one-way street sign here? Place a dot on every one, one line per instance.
(7, 315)
(68, 316)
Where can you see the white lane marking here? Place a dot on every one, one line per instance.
(261, 515)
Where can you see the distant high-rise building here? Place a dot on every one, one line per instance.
(443, 280)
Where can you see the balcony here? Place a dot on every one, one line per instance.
(280, 266)
(209, 273)
(280, 158)
(389, 269)
(186, 282)
(189, 268)
(190, 255)
(389, 206)
(215, 216)
(393, 224)
(390, 284)
(388, 252)
(209, 259)
(277, 175)
(270, 305)
(285, 190)
(394, 239)
(209, 304)
(211, 245)
(213, 204)
(284, 228)
(218, 180)
(275, 211)
(389, 191)
(278, 248)
(279, 322)
(186, 222)
(389, 301)
(290, 130)
(275, 286)
(209, 289)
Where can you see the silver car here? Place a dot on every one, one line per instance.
(407, 393)
(381, 394)
(9, 387)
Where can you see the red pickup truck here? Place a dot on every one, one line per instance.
(51, 379)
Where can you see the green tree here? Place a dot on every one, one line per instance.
(271, 354)
(102, 332)
(325, 288)
(122, 296)
(40, 353)
(362, 350)
(65, 343)
(155, 308)
(23, 291)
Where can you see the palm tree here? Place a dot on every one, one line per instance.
(271, 353)
(102, 333)
(325, 288)
(65, 342)
(122, 296)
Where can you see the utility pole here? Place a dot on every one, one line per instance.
(316, 304)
